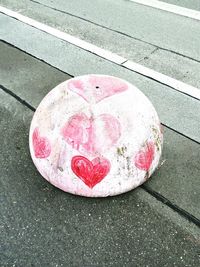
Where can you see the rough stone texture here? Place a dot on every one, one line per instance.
(179, 185)
(42, 226)
(96, 136)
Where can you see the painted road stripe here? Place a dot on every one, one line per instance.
(64, 36)
(176, 84)
(178, 10)
(112, 57)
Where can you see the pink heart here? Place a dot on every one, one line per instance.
(145, 156)
(90, 172)
(41, 145)
(91, 135)
(97, 87)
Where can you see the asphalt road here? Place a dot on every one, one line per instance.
(156, 224)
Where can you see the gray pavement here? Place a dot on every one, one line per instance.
(43, 226)
(154, 225)
(170, 104)
(153, 26)
(191, 4)
(105, 36)
(175, 180)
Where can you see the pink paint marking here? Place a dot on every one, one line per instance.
(41, 145)
(145, 156)
(77, 86)
(98, 87)
(90, 172)
(104, 87)
(107, 131)
(76, 129)
(82, 133)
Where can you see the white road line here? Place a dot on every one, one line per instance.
(64, 36)
(186, 12)
(173, 83)
(176, 84)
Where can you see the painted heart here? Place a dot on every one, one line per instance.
(96, 88)
(145, 157)
(91, 135)
(90, 172)
(41, 145)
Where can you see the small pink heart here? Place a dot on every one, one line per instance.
(90, 172)
(145, 156)
(91, 135)
(106, 86)
(97, 87)
(41, 145)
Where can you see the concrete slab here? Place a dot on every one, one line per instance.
(148, 55)
(176, 180)
(32, 80)
(82, 29)
(170, 104)
(192, 4)
(42, 226)
(159, 28)
(169, 64)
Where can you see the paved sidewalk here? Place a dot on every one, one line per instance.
(43, 226)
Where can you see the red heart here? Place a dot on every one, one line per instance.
(41, 145)
(145, 156)
(90, 172)
(82, 133)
